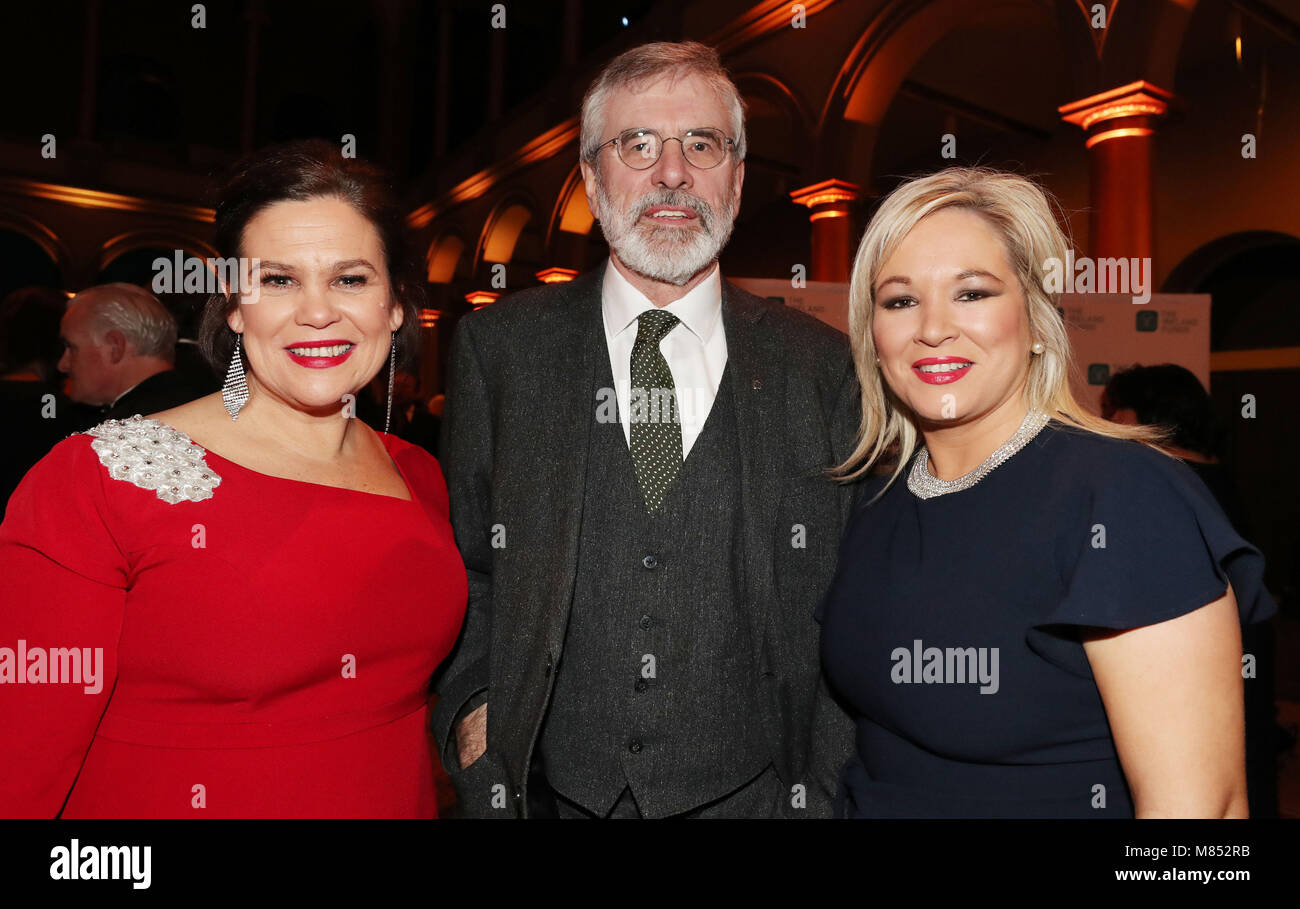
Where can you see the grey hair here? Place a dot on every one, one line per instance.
(136, 313)
(649, 62)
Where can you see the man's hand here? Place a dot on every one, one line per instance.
(471, 736)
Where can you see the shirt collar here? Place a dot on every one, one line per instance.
(134, 387)
(698, 310)
(113, 403)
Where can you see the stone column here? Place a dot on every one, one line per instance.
(1119, 126)
(831, 204)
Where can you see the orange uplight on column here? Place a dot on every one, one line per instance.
(830, 204)
(556, 275)
(1119, 125)
(428, 366)
(480, 298)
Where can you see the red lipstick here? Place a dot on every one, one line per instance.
(320, 354)
(954, 368)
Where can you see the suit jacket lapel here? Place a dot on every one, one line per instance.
(570, 378)
(755, 360)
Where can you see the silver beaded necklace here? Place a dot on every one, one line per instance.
(926, 486)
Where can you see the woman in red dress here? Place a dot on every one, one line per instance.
(233, 608)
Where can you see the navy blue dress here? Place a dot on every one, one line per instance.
(952, 627)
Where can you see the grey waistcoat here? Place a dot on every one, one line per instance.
(655, 688)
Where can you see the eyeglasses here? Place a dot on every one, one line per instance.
(640, 148)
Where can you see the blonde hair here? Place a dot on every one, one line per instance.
(1020, 211)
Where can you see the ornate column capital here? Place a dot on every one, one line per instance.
(831, 206)
(556, 275)
(480, 298)
(1124, 111)
(828, 199)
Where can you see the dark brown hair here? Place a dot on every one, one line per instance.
(298, 171)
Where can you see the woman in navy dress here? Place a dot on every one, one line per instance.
(1037, 613)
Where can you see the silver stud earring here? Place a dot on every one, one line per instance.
(234, 391)
(392, 369)
(1038, 347)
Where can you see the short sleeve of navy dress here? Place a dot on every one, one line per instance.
(952, 628)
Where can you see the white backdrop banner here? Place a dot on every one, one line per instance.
(1110, 332)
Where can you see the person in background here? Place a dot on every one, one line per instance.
(433, 408)
(120, 352)
(408, 418)
(412, 419)
(1172, 398)
(190, 363)
(35, 412)
(29, 334)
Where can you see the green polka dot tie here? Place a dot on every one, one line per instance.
(653, 415)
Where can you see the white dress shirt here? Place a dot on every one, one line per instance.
(695, 348)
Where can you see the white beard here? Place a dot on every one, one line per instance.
(669, 253)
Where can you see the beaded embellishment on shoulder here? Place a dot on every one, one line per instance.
(154, 456)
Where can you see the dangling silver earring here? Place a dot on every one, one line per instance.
(392, 368)
(234, 392)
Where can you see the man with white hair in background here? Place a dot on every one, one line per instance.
(634, 464)
(120, 352)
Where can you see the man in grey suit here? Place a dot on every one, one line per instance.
(635, 462)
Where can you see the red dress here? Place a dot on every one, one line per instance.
(266, 648)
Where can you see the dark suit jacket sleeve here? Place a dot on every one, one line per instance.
(832, 728)
(462, 683)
